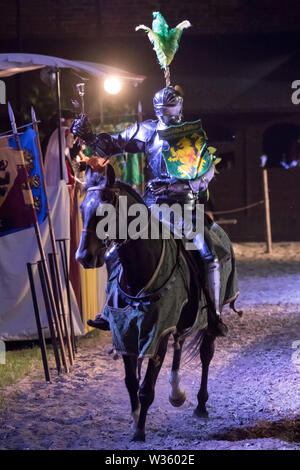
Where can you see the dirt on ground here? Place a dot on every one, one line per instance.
(254, 380)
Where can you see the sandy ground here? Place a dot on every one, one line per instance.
(254, 382)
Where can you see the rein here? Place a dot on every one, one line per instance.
(141, 297)
(93, 188)
(156, 294)
(114, 242)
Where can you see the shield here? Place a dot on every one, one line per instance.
(188, 156)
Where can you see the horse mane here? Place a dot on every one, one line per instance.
(93, 178)
(132, 192)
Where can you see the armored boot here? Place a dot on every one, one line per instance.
(215, 323)
(99, 322)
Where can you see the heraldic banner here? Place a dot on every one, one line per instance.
(15, 199)
(188, 156)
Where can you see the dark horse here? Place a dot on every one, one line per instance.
(152, 294)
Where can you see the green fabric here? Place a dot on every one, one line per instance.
(188, 156)
(165, 42)
(224, 251)
(129, 168)
(137, 330)
(88, 152)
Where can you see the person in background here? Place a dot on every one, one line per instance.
(67, 119)
(52, 159)
(53, 178)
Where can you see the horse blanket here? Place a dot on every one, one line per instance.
(138, 327)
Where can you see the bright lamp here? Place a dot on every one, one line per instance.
(112, 85)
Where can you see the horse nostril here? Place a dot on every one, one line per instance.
(99, 261)
(88, 259)
(80, 255)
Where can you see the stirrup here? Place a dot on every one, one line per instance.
(99, 323)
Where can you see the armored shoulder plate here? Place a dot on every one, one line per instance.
(146, 129)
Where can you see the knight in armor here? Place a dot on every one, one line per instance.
(144, 137)
(149, 137)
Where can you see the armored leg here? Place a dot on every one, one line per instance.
(112, 261)
(212, 271)
(99, 322)
(213, 284)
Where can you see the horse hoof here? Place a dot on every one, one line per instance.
(139, 436)
(179, 401)
(200, 413)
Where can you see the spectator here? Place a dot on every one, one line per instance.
(52, 159)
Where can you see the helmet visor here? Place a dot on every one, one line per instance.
(169, 110)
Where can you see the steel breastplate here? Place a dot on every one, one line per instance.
(154, 149)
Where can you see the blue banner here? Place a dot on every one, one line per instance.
(15, 209)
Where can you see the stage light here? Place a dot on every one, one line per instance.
(112, 85)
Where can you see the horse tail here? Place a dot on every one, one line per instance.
(191, 350)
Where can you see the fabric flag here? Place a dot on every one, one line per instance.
(130, 169)
(15, 199)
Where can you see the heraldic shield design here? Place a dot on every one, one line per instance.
(188, 156)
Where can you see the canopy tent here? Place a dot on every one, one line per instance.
(17, 321)
(14, 313)
(11, 64)
(15, 63)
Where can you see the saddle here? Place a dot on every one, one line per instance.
(172, 191)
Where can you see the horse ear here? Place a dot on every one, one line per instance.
(110, 176)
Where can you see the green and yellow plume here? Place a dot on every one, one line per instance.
(165, 42)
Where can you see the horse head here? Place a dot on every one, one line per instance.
(99, 190)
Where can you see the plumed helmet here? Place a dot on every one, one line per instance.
(168, 97)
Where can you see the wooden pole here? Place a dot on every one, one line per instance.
(52, 238)
(61, 156)
(38, 324)
(51, 322)
(167, 76)
(101, 109)
(267, 211)
(63, 255)
(39, 241)
(140, 111)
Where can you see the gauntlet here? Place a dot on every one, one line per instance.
(101, 144)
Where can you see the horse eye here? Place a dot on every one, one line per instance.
(106, 196)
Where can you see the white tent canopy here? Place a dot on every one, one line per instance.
(14, 63)
(11, 64)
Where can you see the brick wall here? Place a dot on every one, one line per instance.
(103, 31)
(88, 18)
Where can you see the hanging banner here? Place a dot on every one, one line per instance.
(188, 156)
(15, 199)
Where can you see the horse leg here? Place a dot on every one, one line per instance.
(132, 385)
(177, 395)
(207, 350)
(146, 391)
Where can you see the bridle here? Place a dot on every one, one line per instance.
(143, 297)
(108, 242)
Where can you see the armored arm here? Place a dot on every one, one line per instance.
(106, 145)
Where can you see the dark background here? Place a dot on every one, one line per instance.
(236, 65)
